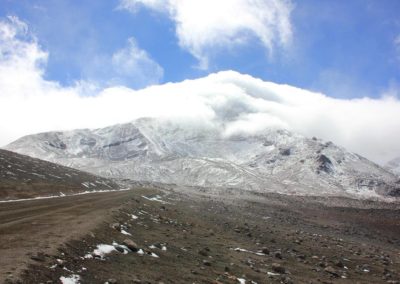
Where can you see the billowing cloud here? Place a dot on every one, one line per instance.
(207, 26)
(231, 102)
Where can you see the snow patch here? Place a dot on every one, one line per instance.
(248, 251)
(73, 279)
(103, 249)
(125, 232)
(156, 198)
(85, 184)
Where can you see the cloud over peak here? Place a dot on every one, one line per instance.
(207, 26)
(229, 101)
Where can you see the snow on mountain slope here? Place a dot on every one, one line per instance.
(170, 152)
(394, 165)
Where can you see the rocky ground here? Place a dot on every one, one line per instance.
(32, 226)
(25, 177)
(166, 236)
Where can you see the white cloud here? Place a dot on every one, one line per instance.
(206, 26)
(129, 66)
(232, 102)
(134, 64)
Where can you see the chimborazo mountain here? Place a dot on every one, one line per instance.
(160, 150)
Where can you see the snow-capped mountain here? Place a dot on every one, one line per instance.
(170, 152)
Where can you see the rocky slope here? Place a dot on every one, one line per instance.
(25, 177)
(169, 152)
(160, 236)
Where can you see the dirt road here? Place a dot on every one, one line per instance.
(177, 236)
(29, 227)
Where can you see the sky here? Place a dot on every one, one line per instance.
(94, 60)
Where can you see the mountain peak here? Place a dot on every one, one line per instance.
(166, 151)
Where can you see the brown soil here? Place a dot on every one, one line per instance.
(304, 242)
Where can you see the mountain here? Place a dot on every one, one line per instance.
(170, 152)
(25, 177)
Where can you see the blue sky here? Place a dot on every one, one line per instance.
(86, 64)
(342, 48)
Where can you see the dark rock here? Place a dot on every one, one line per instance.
(39, 257)
(331, 271)
(265, 250)
(301, 256)
(158, 245)
(131, 245)
(285, 152)
(339, 264)
(394, 191)
(203, 252)
(322, 264)
(286, 280)
(119, 249)
(58, 144)
(88, 141)
(324, 164)
(276, 267)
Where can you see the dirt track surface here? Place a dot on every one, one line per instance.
(29, 227)
(208, 238)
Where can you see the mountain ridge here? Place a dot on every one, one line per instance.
(170, 152)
